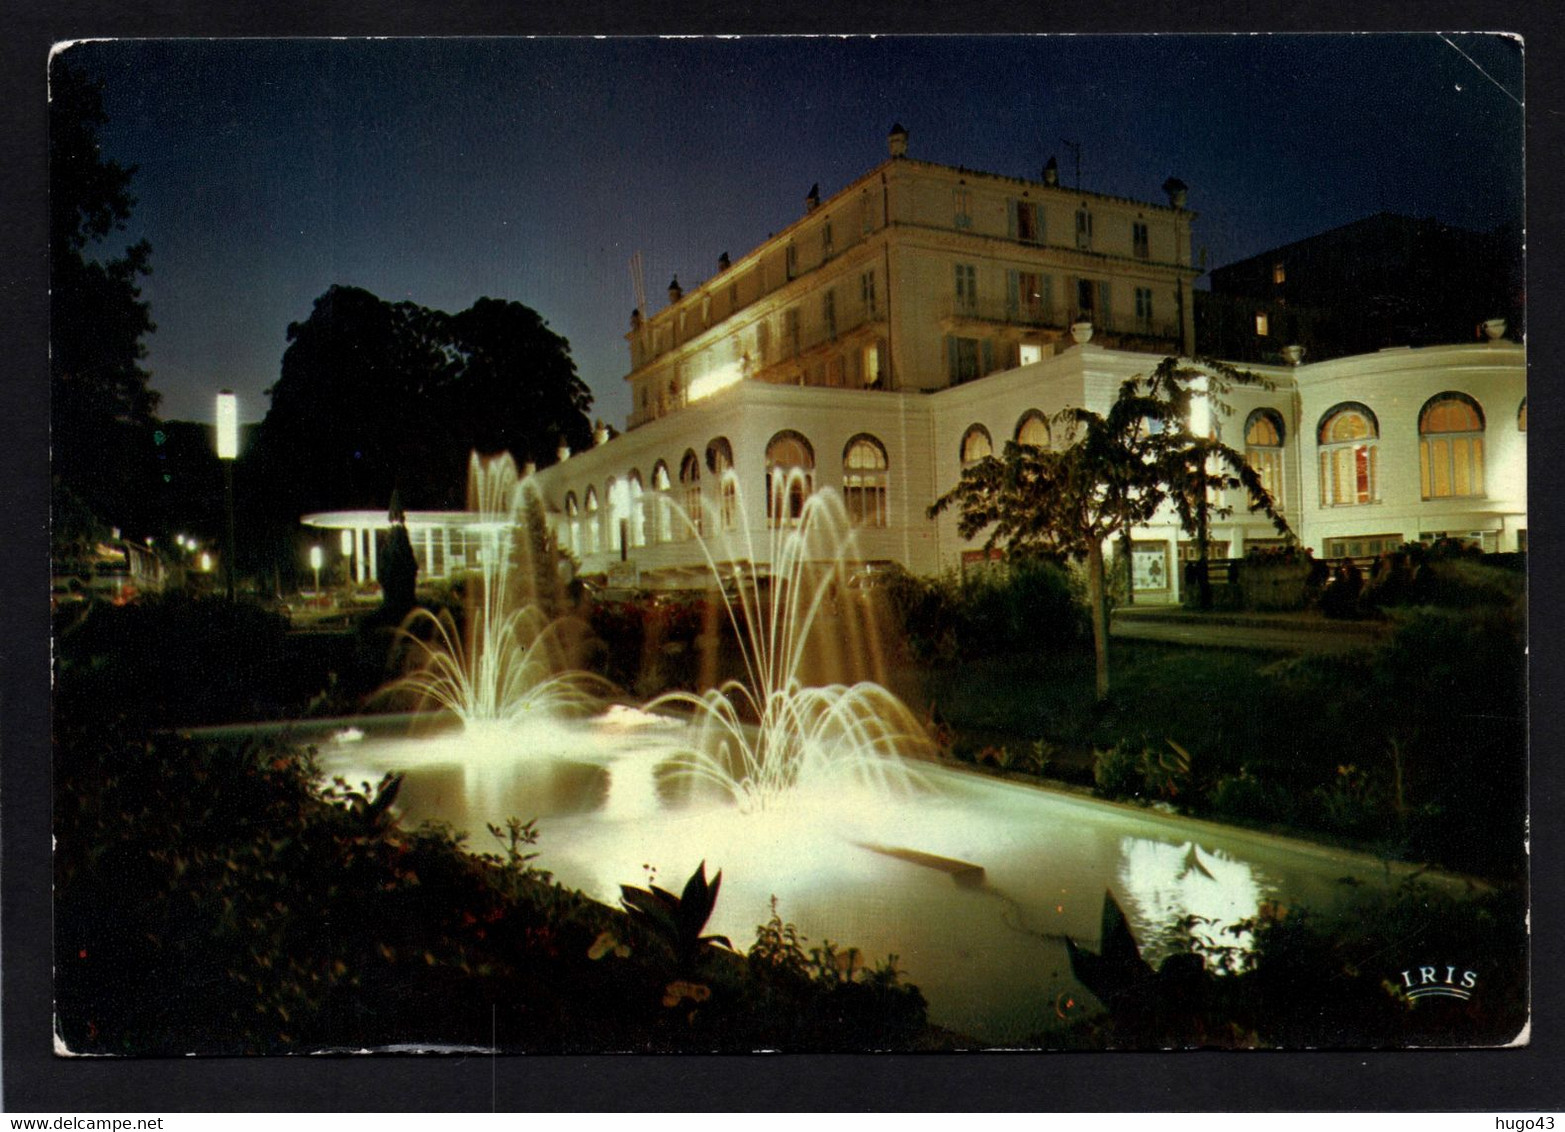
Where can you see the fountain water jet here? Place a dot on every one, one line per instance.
(514, 663)
(771, 738)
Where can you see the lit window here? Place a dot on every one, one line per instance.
(1348, 438)
(1362, 546)
(593, 519)
(1139, 240)
(572, 524)
(1450, 447)
(661, 517)
(617, 496)
(720, 462)
(1028, 353)
(976, 445)
(864, 482)
(690, 490)
(1033, 430)
(1263, 325)
(790, 477)
(1279, 273)
(871, 365)
(1263, 437)
(635, 509)
(867, 292)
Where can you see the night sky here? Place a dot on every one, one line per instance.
(445, 170)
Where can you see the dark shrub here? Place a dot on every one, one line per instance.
(178, 661)
(1025, 605)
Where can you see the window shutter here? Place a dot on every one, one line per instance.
(951, 357)
(988, 356)
(1046, 292)
(1012, 292)
(1010, 215)
(1104, 306)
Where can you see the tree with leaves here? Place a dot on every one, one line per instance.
(377, 396)
(1115, 470)
(103, 408)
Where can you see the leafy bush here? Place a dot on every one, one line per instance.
(1025, 604)
(1313, 980)
(1140, 770)
(179, 660)
(1118, 770)
(1248, 797)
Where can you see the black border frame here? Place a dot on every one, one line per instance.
(35, 1080)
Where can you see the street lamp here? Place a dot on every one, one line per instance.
(317, 556)
(227, 452)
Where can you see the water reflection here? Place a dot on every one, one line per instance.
(1168, 890)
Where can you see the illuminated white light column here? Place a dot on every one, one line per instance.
(227, 417)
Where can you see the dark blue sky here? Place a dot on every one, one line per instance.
(442, 170)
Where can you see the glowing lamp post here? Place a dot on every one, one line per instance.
(317, 556)
(227, 452)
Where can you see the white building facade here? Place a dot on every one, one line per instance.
(1361, 453)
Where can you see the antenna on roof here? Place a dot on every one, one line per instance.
(1075, 148)
(638, 285)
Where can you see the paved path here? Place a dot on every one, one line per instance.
(1260, 632)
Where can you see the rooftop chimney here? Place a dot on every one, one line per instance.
(1051, 171)
(813, 201)
(723, 262)
(675, 291)
(896, 141)
(1177, 190)
(635, 319)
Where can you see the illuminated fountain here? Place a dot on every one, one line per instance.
(773, 738)
(514, 660)
(793, 777)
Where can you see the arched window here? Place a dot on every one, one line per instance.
(616, 495)
(1349, 436)
(1450, 446)
(636, 508)
(720, 462)
(662, 518)
(1033, 429)
(1263, 440)
(572, 523)
(976, 445)
(864, 481)
(690, 492)
(593, 521)
(790, 477)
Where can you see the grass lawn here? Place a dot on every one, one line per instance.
(1196, 696)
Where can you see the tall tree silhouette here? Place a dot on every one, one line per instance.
(376, 397)
(103, 409)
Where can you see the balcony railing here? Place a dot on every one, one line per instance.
(1044, 316)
